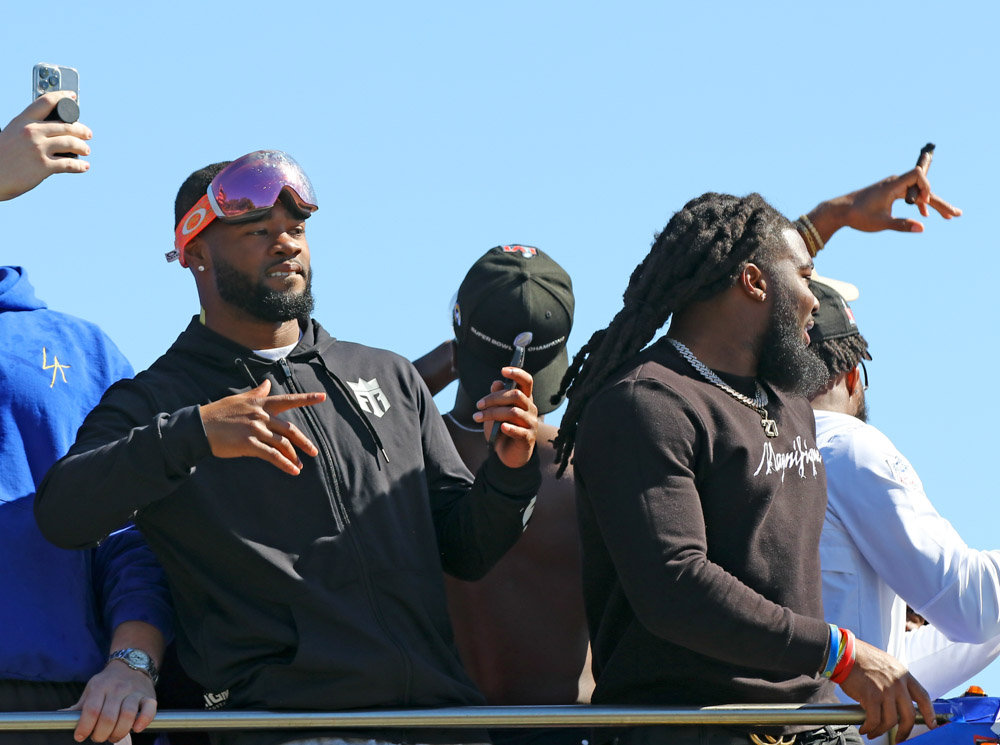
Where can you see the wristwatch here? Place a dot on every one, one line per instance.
(137, 660)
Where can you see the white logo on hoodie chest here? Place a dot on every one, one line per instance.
(370, 396)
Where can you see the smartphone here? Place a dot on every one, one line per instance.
(46, 78)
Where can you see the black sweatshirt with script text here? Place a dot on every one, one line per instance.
(701, 540)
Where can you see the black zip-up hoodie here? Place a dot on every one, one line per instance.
(316, 591)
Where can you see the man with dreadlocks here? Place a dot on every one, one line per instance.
(700, 488)
(883, 544)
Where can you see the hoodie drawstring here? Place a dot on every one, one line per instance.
(239, 361)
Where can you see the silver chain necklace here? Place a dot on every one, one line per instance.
(758, 403)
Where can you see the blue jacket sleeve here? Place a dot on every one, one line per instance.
(130, 583)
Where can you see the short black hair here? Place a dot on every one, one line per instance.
(842, 354)
(194, 188)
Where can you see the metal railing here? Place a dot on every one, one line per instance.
(750, 715)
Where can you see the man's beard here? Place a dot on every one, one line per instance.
(862, 412)
(261, 302)
(785, 362)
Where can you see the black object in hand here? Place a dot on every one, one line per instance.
(66, 110)
(923, 161)
(521, 341)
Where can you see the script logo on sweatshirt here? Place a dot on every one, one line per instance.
(800, 458)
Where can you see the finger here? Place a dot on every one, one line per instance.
(889, 716)
(68, 165)
(873, 713)
(512, 397)
(65, 144)
(515, 432)
(947, 211)
(918, 178)
(286, 401)
(280, 443)
(512, 414)
(147, 710)
(60, 129)
(90, 712)
(923, 700)
(274, 457)
(123, 718)
(522, 377)
(922, 206)
(41, 107)
(904, 225)
(294, 435)
(906, 714)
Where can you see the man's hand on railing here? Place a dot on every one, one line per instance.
(886, 691)
(115, 701)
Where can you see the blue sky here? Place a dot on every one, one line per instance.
(435, 131)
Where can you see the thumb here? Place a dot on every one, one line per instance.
(263, 390)
(904, 225)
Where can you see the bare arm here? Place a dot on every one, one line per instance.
(437, 367)
(870, 209)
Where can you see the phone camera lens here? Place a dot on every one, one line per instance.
(53, 81)
(43, 85)
(44, 72)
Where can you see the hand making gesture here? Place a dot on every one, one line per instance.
(246, 424)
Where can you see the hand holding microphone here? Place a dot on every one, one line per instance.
(521, 342)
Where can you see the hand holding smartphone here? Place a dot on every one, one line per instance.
(46, 78)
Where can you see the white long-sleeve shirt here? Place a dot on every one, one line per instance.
(884, 546)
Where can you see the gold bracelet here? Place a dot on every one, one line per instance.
(804, 232)
(815, 233)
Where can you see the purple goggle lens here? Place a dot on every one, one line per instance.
(250, 186)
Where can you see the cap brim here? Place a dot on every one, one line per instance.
(476, 377)
(846, 290)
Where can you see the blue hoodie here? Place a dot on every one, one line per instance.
(58, 608)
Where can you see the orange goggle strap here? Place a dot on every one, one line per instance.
(196, 220)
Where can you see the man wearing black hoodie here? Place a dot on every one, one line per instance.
(300, 582)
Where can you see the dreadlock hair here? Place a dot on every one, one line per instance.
(699, 254)
(194, 188)
(841, 355)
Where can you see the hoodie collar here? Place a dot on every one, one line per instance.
(16, 292)
(199, 340)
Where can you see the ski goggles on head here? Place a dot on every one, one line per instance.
(246, 190)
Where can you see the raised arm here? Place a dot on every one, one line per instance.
(127, 455)
(909, 545)
(28, 146)
(870, 209)
(477, 521)
(437, 367)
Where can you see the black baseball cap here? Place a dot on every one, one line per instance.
(511, 289)
(834, 319)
